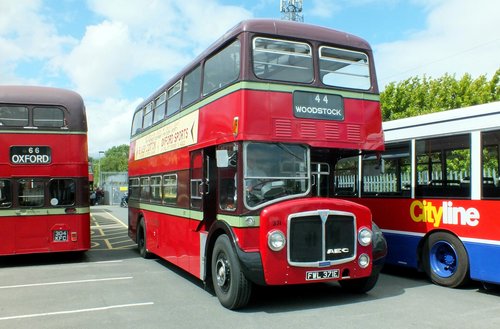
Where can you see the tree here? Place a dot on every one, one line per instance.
(115, 159)
(416, 96)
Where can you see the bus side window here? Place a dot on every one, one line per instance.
(159, 111)
(145, 189)
(346, 177)
(490, 163)
(31, 193)
(14, 116)
(191, 86)
(137, 123)
(5, 194)
(174, 98)
(62, 192)
(389, 175)
(134, 189)
(222, 69)
(169, 189)
(51, 117)
(443, 166)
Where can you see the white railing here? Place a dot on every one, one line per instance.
(389, 183)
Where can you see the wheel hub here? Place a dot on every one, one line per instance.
(223, 271)
(444, 259)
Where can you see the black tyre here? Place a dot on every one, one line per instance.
(445, 260)
(141, 241)
(360, 286)
(230, 284)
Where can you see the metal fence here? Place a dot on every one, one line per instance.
(114, 185)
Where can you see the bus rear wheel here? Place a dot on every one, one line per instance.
(230, 284)
(141, 240)
(445, 260)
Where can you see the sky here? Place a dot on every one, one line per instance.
(115, 53)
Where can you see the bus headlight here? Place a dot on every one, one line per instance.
(365, 237)
(276, 240)
(364, 260)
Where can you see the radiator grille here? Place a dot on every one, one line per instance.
(313, 240)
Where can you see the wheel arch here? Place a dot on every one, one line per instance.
(250, 262)
(459, 248)
(219, 228)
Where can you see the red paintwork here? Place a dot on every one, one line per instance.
(22, 234)
(394, 214)
(216, 124)
(33, 234)
(69, 155)
(277, 271)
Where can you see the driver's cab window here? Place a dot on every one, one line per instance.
(274, 171)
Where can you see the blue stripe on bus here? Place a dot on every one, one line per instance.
(484, 261)
(402, 249)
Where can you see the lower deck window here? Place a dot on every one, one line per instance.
(31, 193)
(5, 194)
(62, 192)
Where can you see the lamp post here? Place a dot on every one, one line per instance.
(100, 174)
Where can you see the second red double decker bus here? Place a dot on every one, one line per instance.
(231, 161)
(44, 187)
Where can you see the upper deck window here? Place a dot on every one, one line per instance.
(52, 117)
(344, 68)
(282, 60)
(14, 116)
(137, 123)
(148, 115)
(191, 86)
(159, 111)
(222, 69)
(174, 98)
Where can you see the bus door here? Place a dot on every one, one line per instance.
(203, 206)
(203, 183)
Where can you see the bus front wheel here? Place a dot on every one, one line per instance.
(230, 284)
(445, 260)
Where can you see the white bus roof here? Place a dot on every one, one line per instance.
(462, 120)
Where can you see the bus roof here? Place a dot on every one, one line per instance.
(286, 29)
(40, 96)
(296, 30)
(46, 96)
(466, 119)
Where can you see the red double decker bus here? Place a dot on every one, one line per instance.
(44, 189)
(231, 161)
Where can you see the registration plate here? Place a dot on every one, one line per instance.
(322, 275)
(60, 236)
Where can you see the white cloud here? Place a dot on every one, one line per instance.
(26, 36)
(125, 45)
(461, 36)
(133, 39)
(109, 123)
